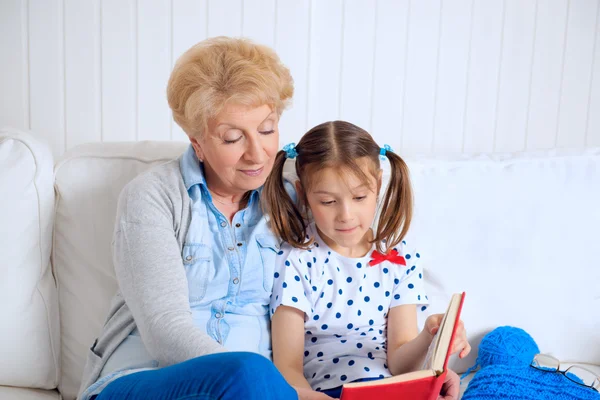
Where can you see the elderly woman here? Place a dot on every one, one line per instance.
(193, 254)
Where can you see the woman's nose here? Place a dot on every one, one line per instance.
(255, 152)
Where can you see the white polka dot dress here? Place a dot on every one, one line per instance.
(346, 303)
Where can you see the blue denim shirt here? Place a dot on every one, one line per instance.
(229, 267)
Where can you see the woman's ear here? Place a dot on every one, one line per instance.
(197, 147)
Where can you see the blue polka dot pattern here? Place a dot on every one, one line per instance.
(341, 341)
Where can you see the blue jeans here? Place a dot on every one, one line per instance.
(337, 391)
(226, 376)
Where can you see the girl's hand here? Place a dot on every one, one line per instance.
(432, 325)
(309, 394)
(451, 387)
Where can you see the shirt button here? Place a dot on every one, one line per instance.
(218, 315)
(230, 248)
(188, 258)
(238, 225)
(236, 281)
(223, 224)
(239, 244)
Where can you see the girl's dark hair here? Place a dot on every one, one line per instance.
(338, 144)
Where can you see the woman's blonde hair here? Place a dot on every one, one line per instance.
(223, 70)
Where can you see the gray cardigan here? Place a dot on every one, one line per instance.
(153, 217)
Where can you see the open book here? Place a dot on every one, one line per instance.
(424, 384)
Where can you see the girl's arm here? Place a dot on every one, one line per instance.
(406, 346)
(287, 333)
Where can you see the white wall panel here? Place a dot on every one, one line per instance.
(546, 72)
(119, 70)
(225, 17)
(593, 116)
(189, 25)
(420, 80)
(292, 38)
(259, 21)
(82, 72)
(389, 71)
(325, 56)
(577, 73)
(484, 71)
(14, 78)
(358, 48)
(452, 70)
(515, 75)
(153, 69)
(425, 76)
(47, 72)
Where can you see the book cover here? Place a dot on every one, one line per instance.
(424, 384)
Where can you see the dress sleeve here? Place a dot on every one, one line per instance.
(409, 285)
(291, 284)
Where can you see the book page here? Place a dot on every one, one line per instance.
(439, 347)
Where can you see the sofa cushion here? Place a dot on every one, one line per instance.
(14, 393)
(88, 181)
(28, 298)
(519, 234)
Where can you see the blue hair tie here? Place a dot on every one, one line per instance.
(290, 150)
(384, 149)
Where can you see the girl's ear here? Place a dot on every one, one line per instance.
(379, 180)
(300, 193)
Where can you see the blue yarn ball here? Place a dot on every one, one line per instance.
(507, 345)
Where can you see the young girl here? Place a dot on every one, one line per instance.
(345, 297)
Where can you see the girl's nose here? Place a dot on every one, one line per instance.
(345, 212)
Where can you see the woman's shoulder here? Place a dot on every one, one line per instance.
(160, 189)
(163, 178)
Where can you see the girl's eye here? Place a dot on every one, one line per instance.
(267, 132)
(360, 198)
(328, 203)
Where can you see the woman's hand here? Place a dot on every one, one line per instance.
(309, 394)
(451, 387)
(432, 325)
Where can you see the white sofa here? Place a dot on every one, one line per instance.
(518, 233)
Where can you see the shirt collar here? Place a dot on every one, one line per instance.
(192, 172)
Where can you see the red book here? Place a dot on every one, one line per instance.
(424, 384)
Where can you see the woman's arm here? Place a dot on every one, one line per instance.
(287, 333)
(151, 276)
(406, 346)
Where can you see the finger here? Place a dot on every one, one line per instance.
(466, 351)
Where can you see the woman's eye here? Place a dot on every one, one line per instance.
(327, 203)
(227, 141)
(267, 132)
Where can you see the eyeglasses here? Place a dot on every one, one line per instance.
(575, 373)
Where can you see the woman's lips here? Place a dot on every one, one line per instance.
(252, 172)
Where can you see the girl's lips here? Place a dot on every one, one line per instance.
(346, 230)
(252, 172)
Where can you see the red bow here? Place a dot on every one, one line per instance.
(392, 257)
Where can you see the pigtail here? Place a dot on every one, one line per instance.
(285, 217)
(397, 206)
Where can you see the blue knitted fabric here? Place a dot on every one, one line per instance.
(505, 355)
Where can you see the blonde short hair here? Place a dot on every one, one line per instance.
(225, 70)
